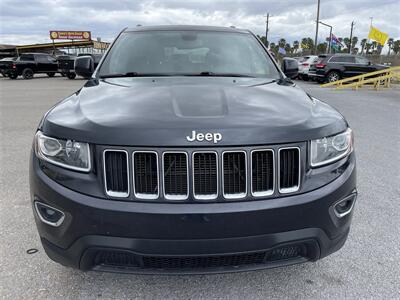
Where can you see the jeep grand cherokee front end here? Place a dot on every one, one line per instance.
(189, 151)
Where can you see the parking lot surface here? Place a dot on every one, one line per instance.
(366, 267)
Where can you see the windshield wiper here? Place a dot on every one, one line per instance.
(133, 74)
(280, 81)
(207, 73)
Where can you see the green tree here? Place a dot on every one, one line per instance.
(354, 42)
(368, 47)
(263, 40)
(363, 44)
(274, 48)
(396, 46)
(288, 48)
(295, 46)
(374, 45)
(321, 48)
(390, 43)
(346, 42)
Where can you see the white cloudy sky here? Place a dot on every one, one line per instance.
(29, 21)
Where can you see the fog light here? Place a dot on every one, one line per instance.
(345, 206)
(49, 215)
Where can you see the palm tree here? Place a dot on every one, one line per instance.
(346, 41)
(310, 43)
(321, 48)
(390, 44)
(354, 42)
(367, 47)
(295, 46)
(374, 45)
(396, 46)
(274, 48)
(282, 43)
(363, 43)
(288, 49)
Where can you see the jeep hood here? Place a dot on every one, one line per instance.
(163, 111)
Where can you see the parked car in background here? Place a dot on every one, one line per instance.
(304, 65)
(5, 63)
(66, 63)
(28, 64)
(333, 67)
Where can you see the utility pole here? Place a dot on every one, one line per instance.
(316, 31)
(351, 36)
(266, 31)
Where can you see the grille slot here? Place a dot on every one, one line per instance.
(234, 174)
(175, 175)
(116, 176)
(262, 172)
(202, 262)
(205, 175)
(145, 183)
(289, 170)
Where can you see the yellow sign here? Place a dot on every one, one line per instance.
(379, 36)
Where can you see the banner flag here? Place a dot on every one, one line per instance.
(377, 35)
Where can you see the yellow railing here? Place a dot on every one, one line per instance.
(377, 79)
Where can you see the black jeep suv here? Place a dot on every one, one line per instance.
(337, 66)
(189, 151)
(29, 64)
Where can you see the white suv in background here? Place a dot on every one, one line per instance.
(304, 66)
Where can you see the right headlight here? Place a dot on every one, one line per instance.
(65, 153)
(330, 149)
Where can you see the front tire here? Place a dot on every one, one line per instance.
(50, 74)
(27, 73)
(71, 75)
(304, 77)
(333, 76)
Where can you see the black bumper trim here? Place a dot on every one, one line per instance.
(82, 253)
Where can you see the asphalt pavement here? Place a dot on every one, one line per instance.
(366, 267)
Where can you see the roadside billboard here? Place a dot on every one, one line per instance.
(70, 35)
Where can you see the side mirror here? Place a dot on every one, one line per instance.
(290, 67)
(84, 66)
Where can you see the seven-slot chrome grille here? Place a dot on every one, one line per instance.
(202, 174)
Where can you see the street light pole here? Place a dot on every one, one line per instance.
(330, 35)
(316, 30)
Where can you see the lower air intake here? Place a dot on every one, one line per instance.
(121, 259)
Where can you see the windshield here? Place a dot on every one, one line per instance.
(191, 53)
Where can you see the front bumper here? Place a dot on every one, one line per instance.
(191, 237)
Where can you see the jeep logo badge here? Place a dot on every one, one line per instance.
(200, 137)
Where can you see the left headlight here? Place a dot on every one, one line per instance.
(330, 149)
(65, 153)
